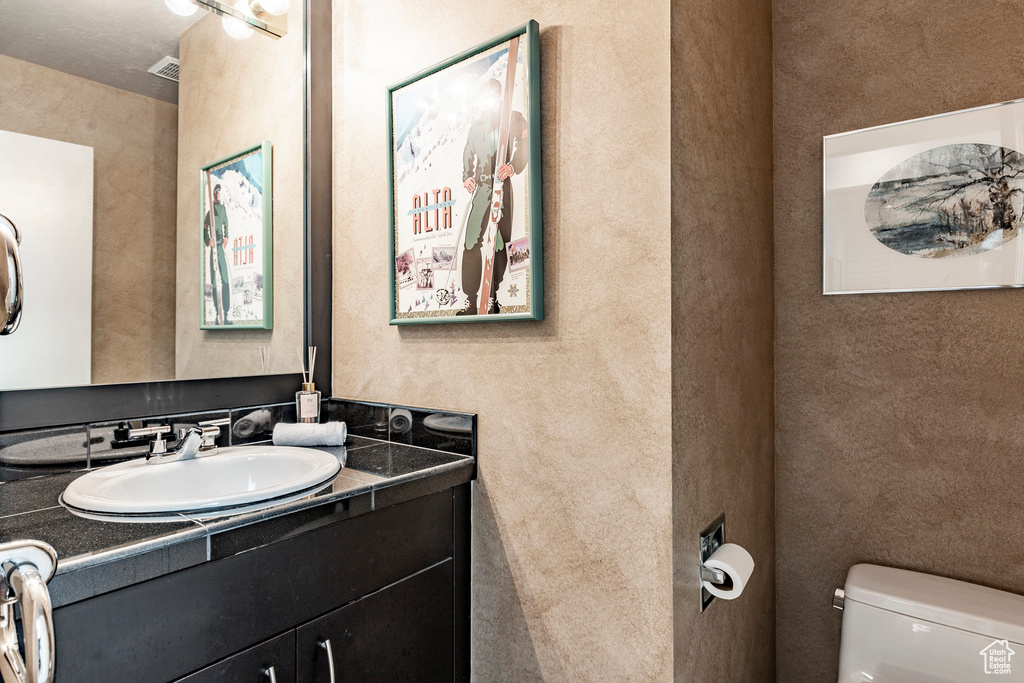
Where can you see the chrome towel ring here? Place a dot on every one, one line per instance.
(11, 283)
(25, 568)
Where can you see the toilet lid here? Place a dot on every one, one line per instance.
(966, 606)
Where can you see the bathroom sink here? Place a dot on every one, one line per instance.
(235, 479)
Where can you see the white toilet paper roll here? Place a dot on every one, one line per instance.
(737, 564)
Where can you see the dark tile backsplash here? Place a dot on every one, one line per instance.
(64, 449)
(105, 449)
(253, 425)
(190, 420)
(43, 451)
(362, 419)
(441, 430)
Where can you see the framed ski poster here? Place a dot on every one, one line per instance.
(236, 266)
(465, 180)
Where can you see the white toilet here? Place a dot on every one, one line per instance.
(906, 627)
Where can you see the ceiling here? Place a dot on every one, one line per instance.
(112, 42)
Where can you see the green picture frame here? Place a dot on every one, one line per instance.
(433, 268)
(237, 250)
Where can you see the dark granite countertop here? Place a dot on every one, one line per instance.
(95, 557)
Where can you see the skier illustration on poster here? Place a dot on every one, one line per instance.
(496, 149)
(471, 250)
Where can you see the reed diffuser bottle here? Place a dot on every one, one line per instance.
(307, 401)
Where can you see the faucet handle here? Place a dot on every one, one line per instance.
(158, 446)
(158, 442)
(204, 432)
(209, 435)
(154, 430)
(190, 442)
(211, 430)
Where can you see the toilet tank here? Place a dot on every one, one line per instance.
(906, 627)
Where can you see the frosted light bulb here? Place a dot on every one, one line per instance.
(185, 8)
(235, 27)
(275, 7)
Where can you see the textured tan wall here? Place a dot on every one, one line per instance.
(722, 311)
(572, 531)
(134, 140)
(899, 431)
(234, 94)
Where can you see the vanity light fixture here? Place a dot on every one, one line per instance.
(235, 27)
(275, 7)
(185, 8)
(241, 18)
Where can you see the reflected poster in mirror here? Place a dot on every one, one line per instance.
(237, 246)
(929, 204)
(465, 181)
(117, 280)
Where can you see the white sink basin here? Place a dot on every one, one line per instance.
(236, 479)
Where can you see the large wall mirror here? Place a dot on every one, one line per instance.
(155, 185)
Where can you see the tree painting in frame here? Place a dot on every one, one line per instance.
(465, 185)
(236, 263)
(930, 204)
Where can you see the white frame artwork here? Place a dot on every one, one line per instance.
(893, 223)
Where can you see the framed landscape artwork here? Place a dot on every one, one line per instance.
(930, 204)
(465, 180)
(236, 264)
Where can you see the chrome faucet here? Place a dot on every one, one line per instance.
(192, 442)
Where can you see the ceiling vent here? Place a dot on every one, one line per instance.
(166, 68)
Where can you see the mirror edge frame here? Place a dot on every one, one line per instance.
(38, 408)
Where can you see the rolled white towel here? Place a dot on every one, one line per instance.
(310, 434)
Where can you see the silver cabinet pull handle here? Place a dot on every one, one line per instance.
(326, 644)
(269, 673)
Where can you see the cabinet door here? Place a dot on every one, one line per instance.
(271, 660)
(404, 632)
(160, 630)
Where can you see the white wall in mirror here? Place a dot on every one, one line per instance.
(46, 189)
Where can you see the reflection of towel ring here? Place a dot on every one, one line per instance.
(401, 421)
(449, 424)
(11, 286)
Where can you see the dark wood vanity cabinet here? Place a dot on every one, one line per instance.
(402, 633)
(254, 665)
(388, 589)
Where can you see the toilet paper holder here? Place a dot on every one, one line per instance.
(715, 576)
(711, 539)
